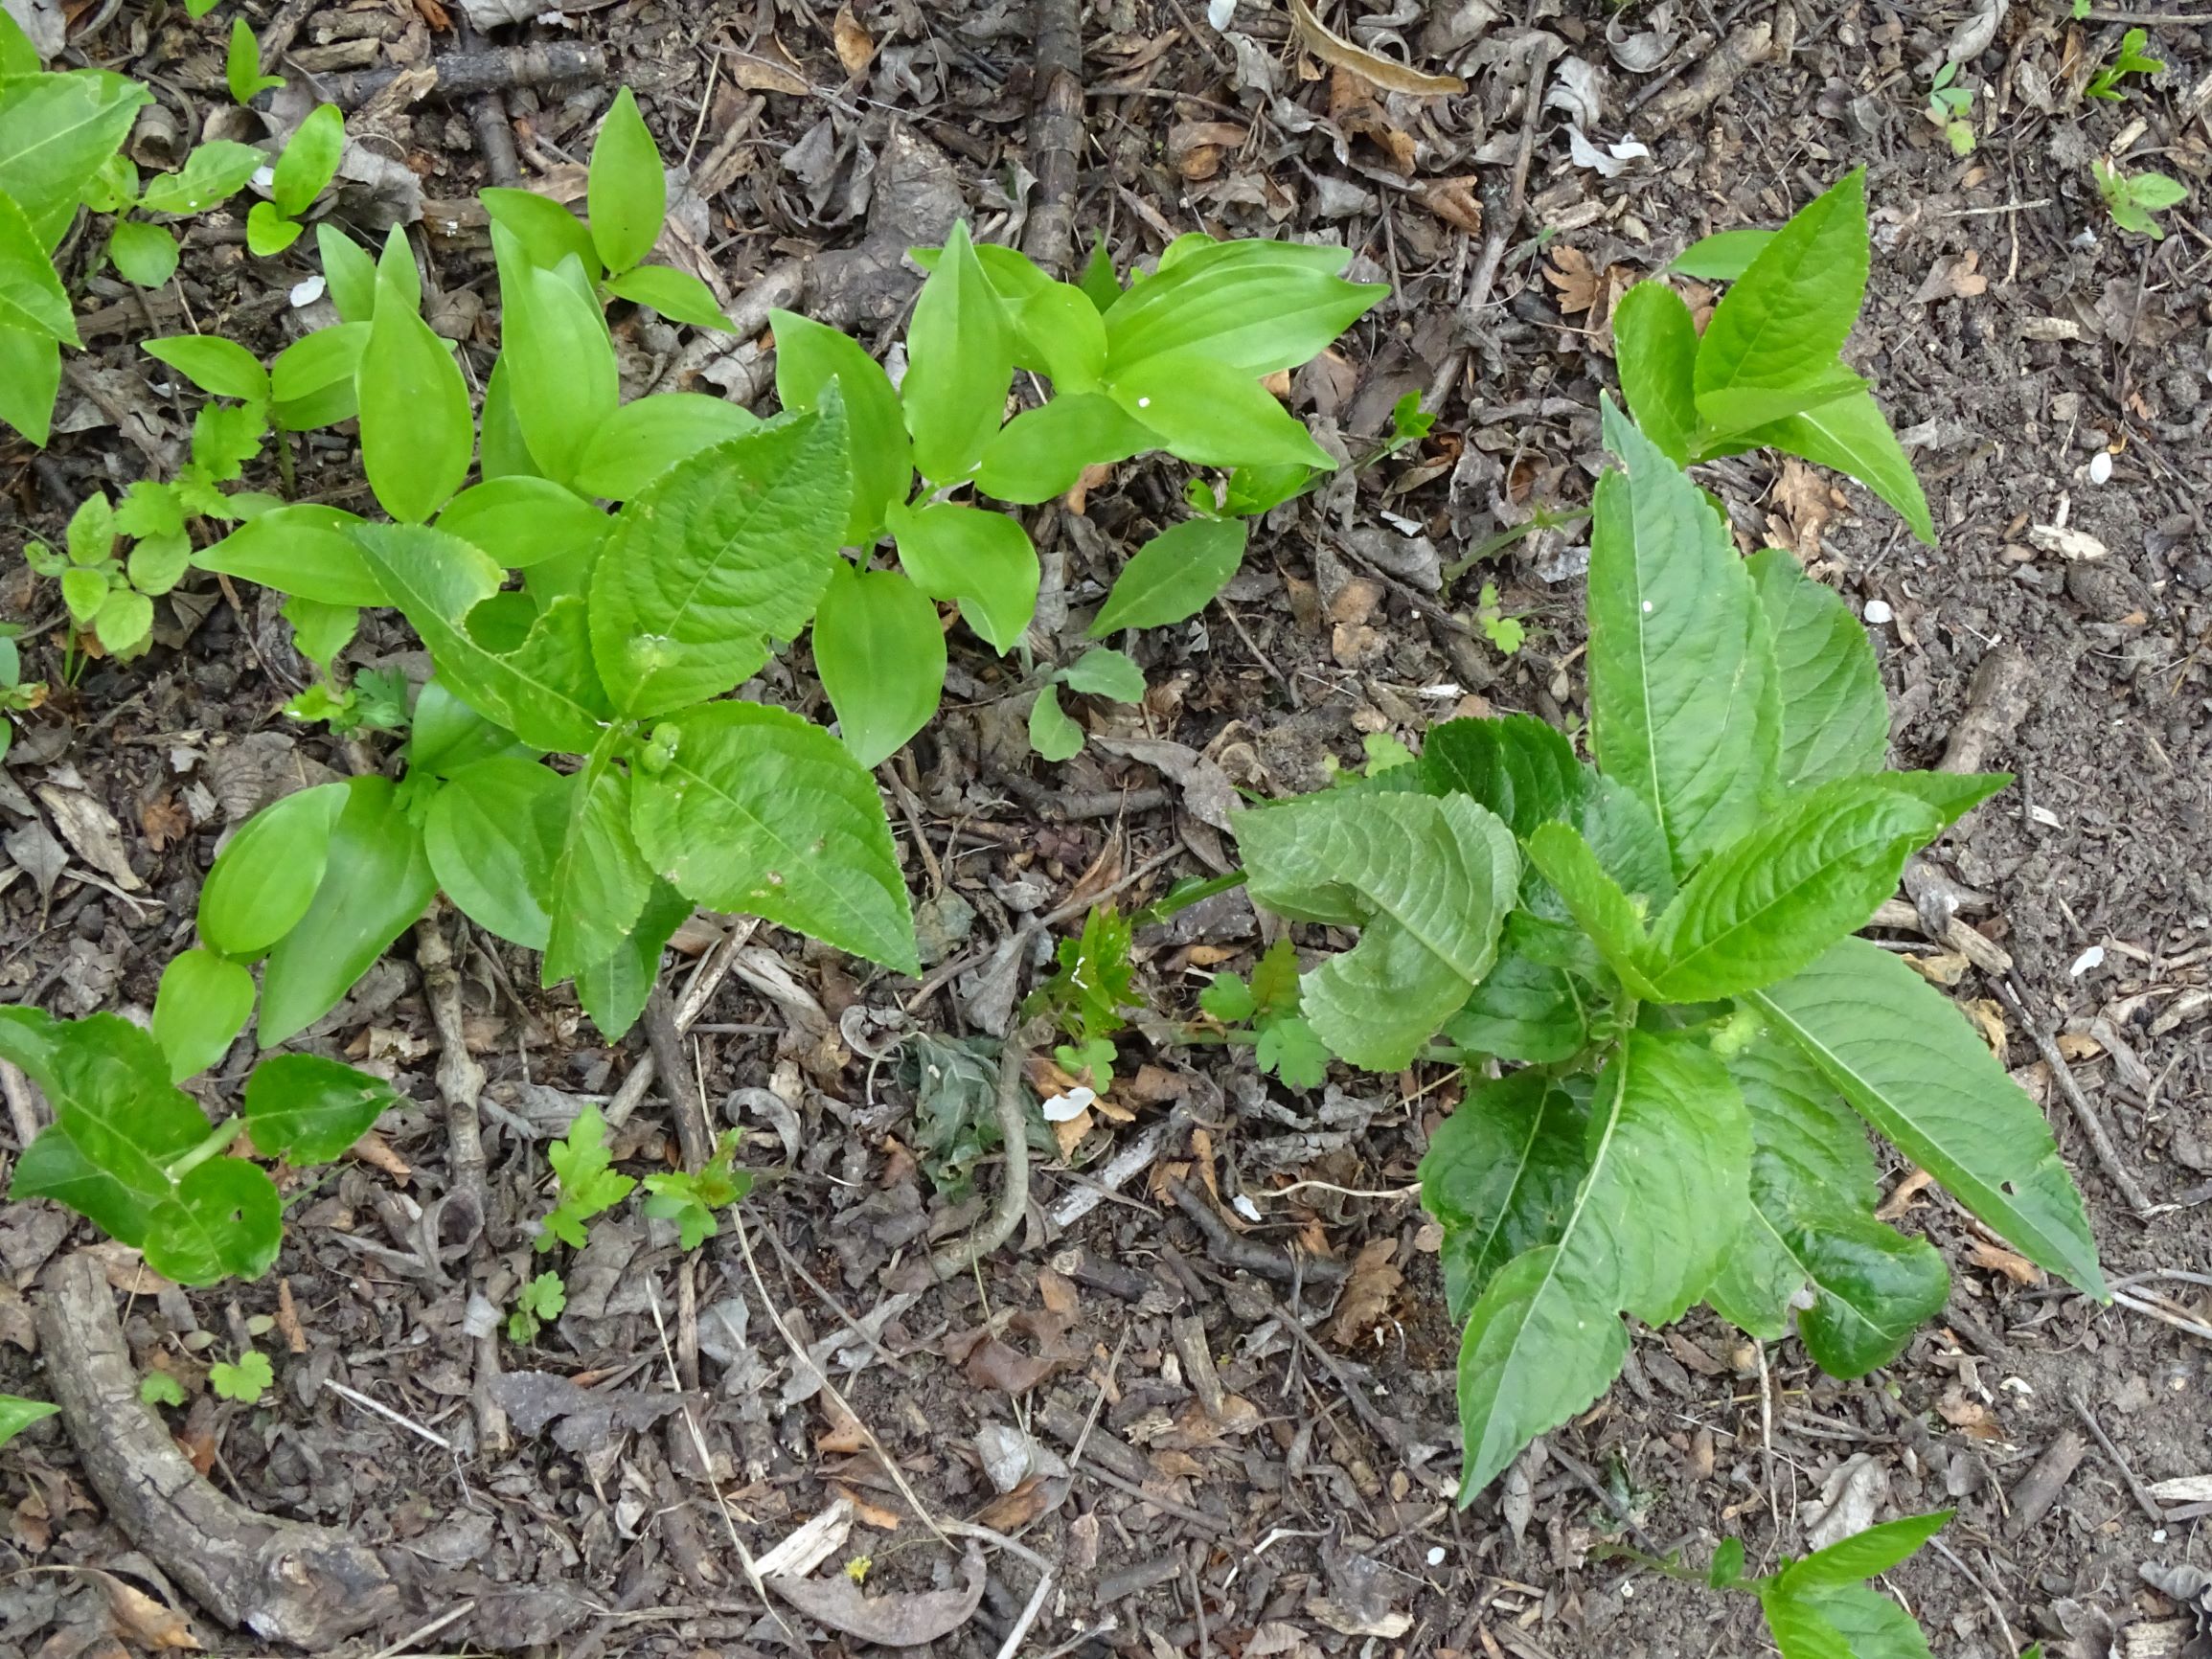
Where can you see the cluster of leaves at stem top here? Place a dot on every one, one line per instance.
(1659, 945)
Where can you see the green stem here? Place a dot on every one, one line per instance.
(218, 1143)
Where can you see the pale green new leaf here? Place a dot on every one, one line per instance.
(305, 549)
(810, 356)
(1428, 880)
(1908, 1063)
(724, 552)
(213, 364)
(597, 881)
(1786, 317)
(1722, 257)
(309, 159)
(1864, 1555)
(959, 365)
(1668, 1151)
(1042, 453)
(547, 231)
(677, 295)
(984, 561)
(416, 431)
(1500, 1175)
(764, 813)
(1684, 706)
(264, 881)
(626, 191)
(1052, 731)
(1726, 414)
(1211, 415)
(1852, 435)
(32, 297)
(204, 1002)
(1656, 349)
(1596, 901)
(1872, 1625)
(212, 174)
(646, 436)
(879, 652)
(1253, 307)
(143, 254)
(1834, 713)
(30, 379)
(555, 344)
(523, 521)
(1173, 577)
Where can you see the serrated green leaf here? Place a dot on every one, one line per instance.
(1834, 713)
(590, 1185)
(959, 365)
(1428, 880)
(1204, 412)
(1872, 1625)
(1287, 1047)
(55, 133)
(522, 522)
(1811, 1226)
(1500, 1175)
(158, 563)
(717, 555)
(1684, 706)
(555, 344)
(1909, 1064)
(677, 295)
(305, 549)
(627, 192)
(1228, 999)
(1783, 322)
(810, 355)
(417, 432)
(1252, 307)
(309, 1110)
(1656, 349)
(646, 437)
(982, 559)
(1520, 768)
(212, 174)
(1524, 1009)
(376, 881)
(614, 992)
(1040, 454)
(309, 160)
(1722, 257)
(246, 1381)
(880, 653)
(762, 813)
(266, 877)
(1596, 901)
(597, 881)
(1668, 1151)
(1852, 435)
(1053, 732)
(485, 837)
(1173, 575)
(1951, 795)
(204, 1002)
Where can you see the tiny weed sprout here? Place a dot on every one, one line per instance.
(2130, 60)
(242, 65)
(1950, 106)
(690, 1198)
(589, 1184)
(157, 1388)
(245, 1382)
(303, 171)
(2132, 197)
(539, 1300)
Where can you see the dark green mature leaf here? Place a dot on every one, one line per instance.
(810, 355)
(646, 436)
(1786, 317)
(1427, 879)
(721, 554)
(1684, 706)
(1909, 1064)
(1655, 347)
(204, 1002)
(1811, 1226)
(1863, 1555)
(447, 734)
(417, 432)
(305, 549)
(266, 877)
(1525, 1008)
(982, 559)
(558, 357)
(1500, 1175)
(1668, 1151)
(223, 1220)
(627, 192)
(1522, 769)
(55, 133)
(1952, 795)
(614, 992)
(524, 522)
(881, 655)
(1834, 713)
(598, 880)
(1852, 435)
(307, 1110)
(545, 691)
(764, 813)
(1722, 257)
(959, 365)
(1173, 575)
(32, 297)
(1211, 415)
(1042, 453)
(1253, 307)
(377, 882)
(1599, 903)
(485, 840)
(1768, 905)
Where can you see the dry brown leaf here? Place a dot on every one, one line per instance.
(91, 828)
(901, 1620)
(1572, 279)
(141, 1619)
(1989, 1018)
(1057, 1292)
(289, 1326)
(846, 1437)
(1068, 1132)
(1454, 201)
(768, 70)
(1196, 147)
(868, 1515)
(165, 822)
(373, 1149)
(1967, 1415)
(1998, 1260)
(1953, 280)
(1367, 1293)
(992, 1364)
(856, 46)
(1900, 1198)
(1096, 476)
(1011, 1512)
(1351, 106)
(1333, 49)
(1944, 967)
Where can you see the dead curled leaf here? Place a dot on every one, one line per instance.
(856, 47)
(1454, 201)
(1367, 1293)
(141, 1619)
(1196, 147)
(903, 1618)
(1333, 49)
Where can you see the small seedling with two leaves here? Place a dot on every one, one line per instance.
(1950, 106)
(2132, 197)
(157, 1388)
(243, 66)
(2130, 60)
(15, 696)
(690, 1198)
(144, 252)
(301, 173)
(539, 1300)
(1099, 671)
(1503, 631)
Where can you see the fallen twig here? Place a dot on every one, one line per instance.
(460, 75)
(1055, 133)
(2135, 1488)
(2085, 1114)
(1232, 1250)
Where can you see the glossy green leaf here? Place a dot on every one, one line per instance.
(1250, 306)
(30, 379)
(349, 272)
(1173, 575)
(269, 233)
(1863, 1555)
(558, 357)
(1684, 706)
(1908, 1063)
(597, 881)
(1211, 415)
(417, 432)
(485, 836)
(204, 1002)
(212, 174)
(1668, 1154)
(1951, 794)
(1500, 1175)
(1656, 349)
(1734, 410)
(614, 992)
(1520, 768)
(242, 75)
(1783, 322)
(224, 1220)
(1053, 733)
(321, 631)
(1605, 911)
(446, 734)
(879, 652)
(982, 559)
(1058, 329)
(32, 298)
(677, 295)
(959, 365)
(723, 553)
(1524, 1008)
(214, 364)
(1852, 435)
(1872, 1625)
(307, 1110)
(1801, 1630)
(524, 522)
(313, 381)
(1042, 453)
(545, 691)
(1428, 879)
(305, 549)
(809, 356)
(1812, 1231)
(309, 159)
(626, 191)
(547, 231)
(646, 437)
(376, 882)
(1834, 713)
(762, 812)
(266, 876)
(1722, 257)
(55, 133)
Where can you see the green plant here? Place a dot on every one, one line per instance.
(1950, 106)
(539, 1300)
(246, 1381)
(1099, 672)
(1501, 630)
(2132, 197)
(1088, 995)
(590, 1185)
(158, 1388)
(15, 697)
(308, 162)
(1766, 374)
(690, 1198)
(18, 1414)
(1268, 1006)
(242, 65)
(2130, 60)
(1659, 945)
(146, 252)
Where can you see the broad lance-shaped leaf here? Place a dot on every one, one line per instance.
(1655, 347)
(1834, 713)
(546, 693)
(1766, 904)
(1524, 1008)
(1597, 902)
(1811, 1226)
(613, 992)
(1517, 766)
(598, 880)
(1850, 1561)
(488, 846)
(309, 1110)
(1852, 435)
(1782, 323)
(1669, 1149)
(1908, 1063)
(1501, 1176)
(1684, 706)
(1428, 879)
(764, 813)
(723, 552)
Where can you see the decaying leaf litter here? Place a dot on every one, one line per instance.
(1122, 1387)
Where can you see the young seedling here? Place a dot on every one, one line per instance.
(243, 66)
(1053, 733)
(308, 162)
(1503, 631)
(1950, 106)
(15, 696)
(2130, 60)
(590, 1185)
(1089, 997)
(540, 1299)
(158, 1388)
(246, 1381)
(1268, 1006)
(2132, 197)
(18, 1414)
(146, 252)
(691, 1197)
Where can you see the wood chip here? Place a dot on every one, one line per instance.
(92, 829)
(1392, 76)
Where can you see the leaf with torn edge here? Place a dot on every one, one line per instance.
(903, 1619)
(1333, 49)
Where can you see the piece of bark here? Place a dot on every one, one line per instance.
(1999, 699)
(1055, 134)
(2039, 1488)
(1710, 81)
(285, 1581)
